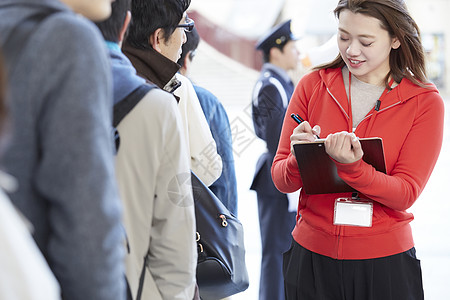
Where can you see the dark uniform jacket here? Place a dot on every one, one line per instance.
(271, 96)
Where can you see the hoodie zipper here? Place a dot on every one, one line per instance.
(337, 102)
(342, 109)
(338, 244)
(376, 110)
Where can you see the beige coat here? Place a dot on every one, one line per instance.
(153, 174)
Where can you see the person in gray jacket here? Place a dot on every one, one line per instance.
(61, 149)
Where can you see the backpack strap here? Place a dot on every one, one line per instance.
(141, 279)
(123, 107)
(129, 296)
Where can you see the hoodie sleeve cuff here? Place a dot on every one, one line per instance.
(354, 172)
(348, 168)
(349, 172)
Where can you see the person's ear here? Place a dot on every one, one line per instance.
(156, 39)
(274, 53)
(124, 28)
(184, 70)
(395, 43)
(187, 59)
(186, 65)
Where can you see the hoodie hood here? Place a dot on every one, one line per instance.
(125, 79)
(332, 79)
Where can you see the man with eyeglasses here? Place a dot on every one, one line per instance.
(153, 45)
(161, 254)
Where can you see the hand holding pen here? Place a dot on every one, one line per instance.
(300, 120)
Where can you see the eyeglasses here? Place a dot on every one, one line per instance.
(188, 26)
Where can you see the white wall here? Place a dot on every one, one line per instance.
(432, 16)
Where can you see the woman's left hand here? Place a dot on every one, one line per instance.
(343, 147)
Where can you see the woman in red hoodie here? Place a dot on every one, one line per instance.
(376, 87)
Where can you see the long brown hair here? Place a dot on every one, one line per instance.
(406, 61)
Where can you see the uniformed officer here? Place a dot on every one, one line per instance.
(271, 96)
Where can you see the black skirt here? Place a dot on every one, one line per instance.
(311, 276)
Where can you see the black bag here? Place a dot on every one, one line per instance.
(221, 269)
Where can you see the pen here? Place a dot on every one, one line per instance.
(299, 120)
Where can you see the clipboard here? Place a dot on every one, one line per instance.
(318, 171)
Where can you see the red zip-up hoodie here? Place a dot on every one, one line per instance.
(410, 122)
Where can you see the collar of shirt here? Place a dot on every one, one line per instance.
(278, 70)
(113, 46)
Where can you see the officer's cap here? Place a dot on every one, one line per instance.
(278, 36)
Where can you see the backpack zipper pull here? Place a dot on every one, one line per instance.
(224, 220)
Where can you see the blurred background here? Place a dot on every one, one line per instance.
(227, 65)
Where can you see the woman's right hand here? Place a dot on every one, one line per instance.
(304, 133)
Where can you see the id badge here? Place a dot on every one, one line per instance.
(348, 211)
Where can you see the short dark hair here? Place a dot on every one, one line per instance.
(266, 54)
(110, 28)
(149, 15)
(193, 39)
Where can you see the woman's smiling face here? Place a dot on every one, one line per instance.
(365, 46)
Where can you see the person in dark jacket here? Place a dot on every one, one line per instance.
(271, 96)
(225, 188)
